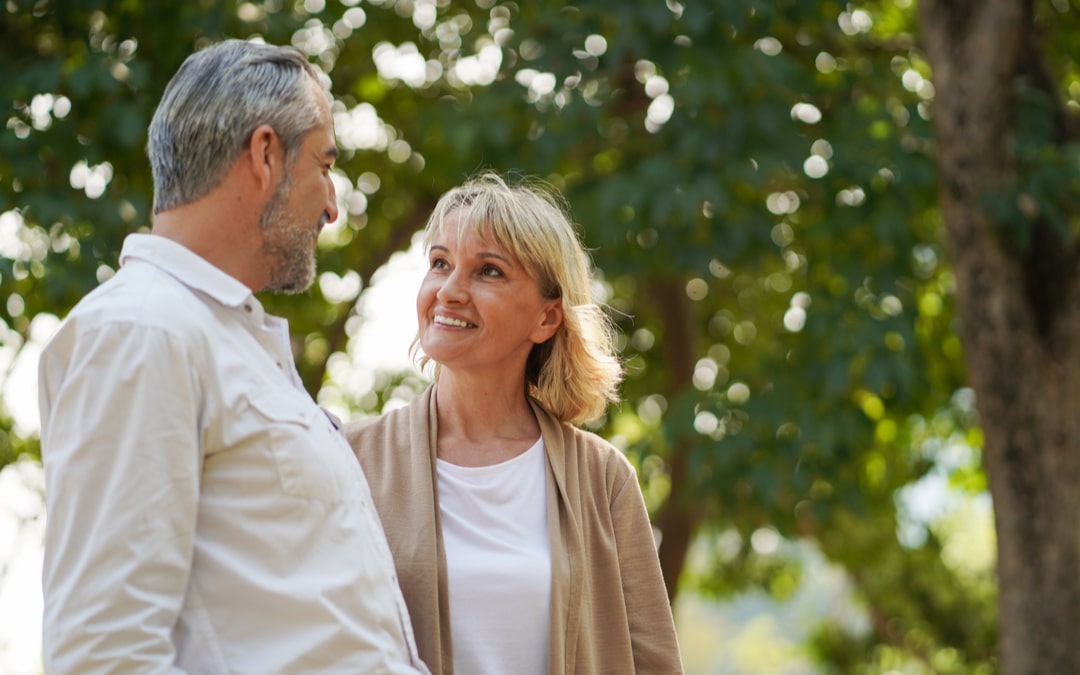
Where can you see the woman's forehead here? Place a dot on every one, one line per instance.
(460, 225)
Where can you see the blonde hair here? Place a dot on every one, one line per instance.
(575, 373)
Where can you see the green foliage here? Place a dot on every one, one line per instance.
(14, 445)
(737, 567)
(784, 213)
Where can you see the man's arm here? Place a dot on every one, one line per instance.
(120, 448)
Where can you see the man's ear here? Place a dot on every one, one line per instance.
(266, 156)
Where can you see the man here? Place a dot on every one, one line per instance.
(204, 514)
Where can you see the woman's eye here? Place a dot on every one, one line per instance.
(492, 271)
(438, 264)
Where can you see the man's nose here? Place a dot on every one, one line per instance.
(331, 208)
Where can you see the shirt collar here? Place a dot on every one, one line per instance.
(187, 267)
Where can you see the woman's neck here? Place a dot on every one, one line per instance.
(480, 426)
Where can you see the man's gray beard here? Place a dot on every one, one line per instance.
(288, 247)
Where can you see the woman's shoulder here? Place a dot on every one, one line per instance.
(361, 427)
(388, 425)
(592, 452)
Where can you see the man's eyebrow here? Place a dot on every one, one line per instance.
(331, 153)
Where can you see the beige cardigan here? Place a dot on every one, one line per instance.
(609, 608)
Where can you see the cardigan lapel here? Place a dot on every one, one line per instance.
(427, 528)
(567, 551)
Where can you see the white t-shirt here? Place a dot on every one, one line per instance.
(498, 558)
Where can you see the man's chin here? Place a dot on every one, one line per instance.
(294, 285)
(291, 290)
(297, 288)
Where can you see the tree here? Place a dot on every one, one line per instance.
(1006, 123)
(759, 182)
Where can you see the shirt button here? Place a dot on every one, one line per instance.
(247, 308)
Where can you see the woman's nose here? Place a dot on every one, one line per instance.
(453, 289)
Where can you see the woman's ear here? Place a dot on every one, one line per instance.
(550, 320)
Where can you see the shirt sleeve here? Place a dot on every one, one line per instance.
(652, 627)
(121, 453)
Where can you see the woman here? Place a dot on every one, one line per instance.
(521, 542)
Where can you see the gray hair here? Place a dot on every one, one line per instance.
(213, 104)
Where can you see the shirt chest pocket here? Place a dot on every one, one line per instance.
(312, 460)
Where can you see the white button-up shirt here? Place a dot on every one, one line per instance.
(204, 514)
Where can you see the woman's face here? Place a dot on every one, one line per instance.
(478, 309)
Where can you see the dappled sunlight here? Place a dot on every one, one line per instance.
(708, 424)
(657, 88)
(854, 22)
(26, 247)
(18, 369)
(314, 39)
(91, 179)
(853, 196)
(780, 203)
(706, 371)
(22, 533)
(337, 288)
(755, 633)
(43, 107)
(807, 113)
(360, 128)
(402, 63)
(651, 409)
(479, 69)
(738, 393)
(795, 315)
(774, 170)
(769, 46)
(815, 166)
(539, 85)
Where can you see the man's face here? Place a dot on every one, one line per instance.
(302, 204)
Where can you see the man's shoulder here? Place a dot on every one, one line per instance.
(140, 295)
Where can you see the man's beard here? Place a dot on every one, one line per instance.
(289, 247)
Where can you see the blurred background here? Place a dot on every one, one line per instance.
(758, 183)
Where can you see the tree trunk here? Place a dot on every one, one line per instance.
(681, 515)
(1019, 309)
